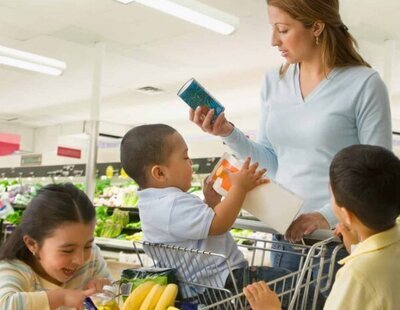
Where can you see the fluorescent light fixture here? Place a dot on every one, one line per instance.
(32, 62)
(195, 12)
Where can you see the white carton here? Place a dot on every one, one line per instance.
(271, 203)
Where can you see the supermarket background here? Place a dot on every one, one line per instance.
(148, 56)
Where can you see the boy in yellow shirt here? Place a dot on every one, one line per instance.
(365, 184)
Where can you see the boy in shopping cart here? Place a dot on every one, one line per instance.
(365, 185)
(156, 157)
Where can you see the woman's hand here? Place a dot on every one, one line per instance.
(305, 224)
(203, 116)
(211, 197)
(261, 297)
(350, 237)
(97, 284)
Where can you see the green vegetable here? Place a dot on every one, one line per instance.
(14, 218)
(101, 213)
(137, 225)
(80, 186)
(194, 188)
(237, 232)
(120, 217)
(110, 226)
(110, 229)
(130, 199)
(101, 185)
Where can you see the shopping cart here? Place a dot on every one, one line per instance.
(300, 289)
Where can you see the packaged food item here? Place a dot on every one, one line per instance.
(220, 174)
(196, 95)
(137, 276)
(88, 304)
(271, 203)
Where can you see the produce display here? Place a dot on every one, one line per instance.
(116, 195)
(110, 196)
(114, 224)
(110, 226)
(19, 194)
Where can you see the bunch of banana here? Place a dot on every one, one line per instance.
(151, 296)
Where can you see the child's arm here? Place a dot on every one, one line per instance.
(13, 300)
(242, 182)
(68, 298)
(211, 197)
(16, 289)
(16, 293)
(261, 297)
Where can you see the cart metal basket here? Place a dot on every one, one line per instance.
(300, 289)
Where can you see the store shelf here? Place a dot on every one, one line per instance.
(116, 245)
(252, 224)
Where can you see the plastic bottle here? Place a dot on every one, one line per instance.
(106, 300)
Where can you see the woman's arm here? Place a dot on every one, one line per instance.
(373, 116)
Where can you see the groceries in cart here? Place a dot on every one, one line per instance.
(150, 295)
(271, 203)
(151, 288)
(107, 299)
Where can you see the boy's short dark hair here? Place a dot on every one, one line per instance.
(365, 179)
(143, 146)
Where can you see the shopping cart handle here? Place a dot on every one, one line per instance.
(322, 234)
(256, 225)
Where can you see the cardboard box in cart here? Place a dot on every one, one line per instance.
(271, 203)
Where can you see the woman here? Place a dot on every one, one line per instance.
(324, 98)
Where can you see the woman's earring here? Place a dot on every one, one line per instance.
(317, 40)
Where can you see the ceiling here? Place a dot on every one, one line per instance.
(147, 48)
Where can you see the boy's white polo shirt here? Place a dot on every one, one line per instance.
(171, 216)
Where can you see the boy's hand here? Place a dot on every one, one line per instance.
(248, 177)
(261, 297)
(226, 211)
(350, 237)
(211, 197)
(97, 284)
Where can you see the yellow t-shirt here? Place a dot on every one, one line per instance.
(370, 277)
